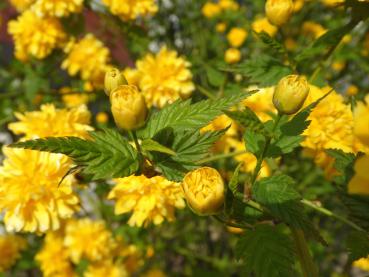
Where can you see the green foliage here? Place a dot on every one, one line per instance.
(357, 245)
(182, 115)
(247, 119)
(152, 145)
(271, 42)
(358, 207)
(344, 163)
(267, 252)
(254, 142)
(215, 77)
(190, 147)
(108, 155)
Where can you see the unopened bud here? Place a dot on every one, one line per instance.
(113, 79)
(204, 190)
(128, 107)
(279, 12)
(290, 94)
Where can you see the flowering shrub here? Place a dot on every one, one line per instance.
(184, 138)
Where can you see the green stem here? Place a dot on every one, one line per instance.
(308, 267)
(264, 152)
(331, 214)
(220, 156)
(205, 92)
(139, 150)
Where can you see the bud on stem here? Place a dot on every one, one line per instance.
(113, 79)
(278, 12)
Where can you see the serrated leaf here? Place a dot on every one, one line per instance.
(267, 252)
(254, 142)
(152, 145)
(247, 119)
(344, 164)
(271, 42)
(189, 146)
(182, 115)
(108, 155)
(358, 207)
(358, 245)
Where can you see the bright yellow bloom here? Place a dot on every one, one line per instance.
(132, 76)
(362, 263)
(164, 78)
(263, 25)
(313, 29)
(35, 36)
(232, 55)
(106, 268)
(298, 4)
(361, 116)
(53, 122)
(228, 5)
(57, 8)
(150, 199)
(128, 107)
(73, 99)
(221, 27)
(131, 9)
(261, 102)
(88, 239)
(279, 11)
(53, 257)
(89, 58)
(30, 194)
(21, 5)
(210, 9)
(113, 79)
(10, 248)
(237, 36)
(204, 190)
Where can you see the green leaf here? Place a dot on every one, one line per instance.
(247, 119)
(189, 146)
(182, 115)
(344, 164)
(271, 42)
(152, 145)
(267, 252)
(324, 44)
(358, 245)
(358, 207)
(233, 183)
(263, 70)
(108, 155)
(215, 77)
(254, 142)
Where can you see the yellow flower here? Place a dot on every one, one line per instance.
(113, 79)
(128, 107)
(204, 190)
(361, 124)
(102, 117)
(57, 8)
(21, 5)
(30, 194)
(164, 78)
(232, 55)
(221, 27)
(236, 37)
(132, 76)
(228, 5)
(313, 29)
(106, 268)
(53, 257)
(298, 4)
(279, 11)
(352, 90)
(52, 122)
(131, 9)
(362, 263)
(89, 58)
(85, 238)
(290, 94)
(10, 248)
(210, 9)
(150, 199)
(35, 36)
(359, 184)
(263, 25)
(261, 102)
(73, 99)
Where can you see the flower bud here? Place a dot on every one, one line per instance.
(290, 94)
(204, 190)
(232, 55)
(278, 12)
(113, 79)
(128, 107)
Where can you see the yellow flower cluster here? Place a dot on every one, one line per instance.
(30, 193)
(87, 239)
(162, 78)
(211, 9)
(10, 248)
(87, 57)
(131, 9)
(21, 5)
(149, 199)
(34, 36)
(57, 8)
(53, 122)
(236, 37)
